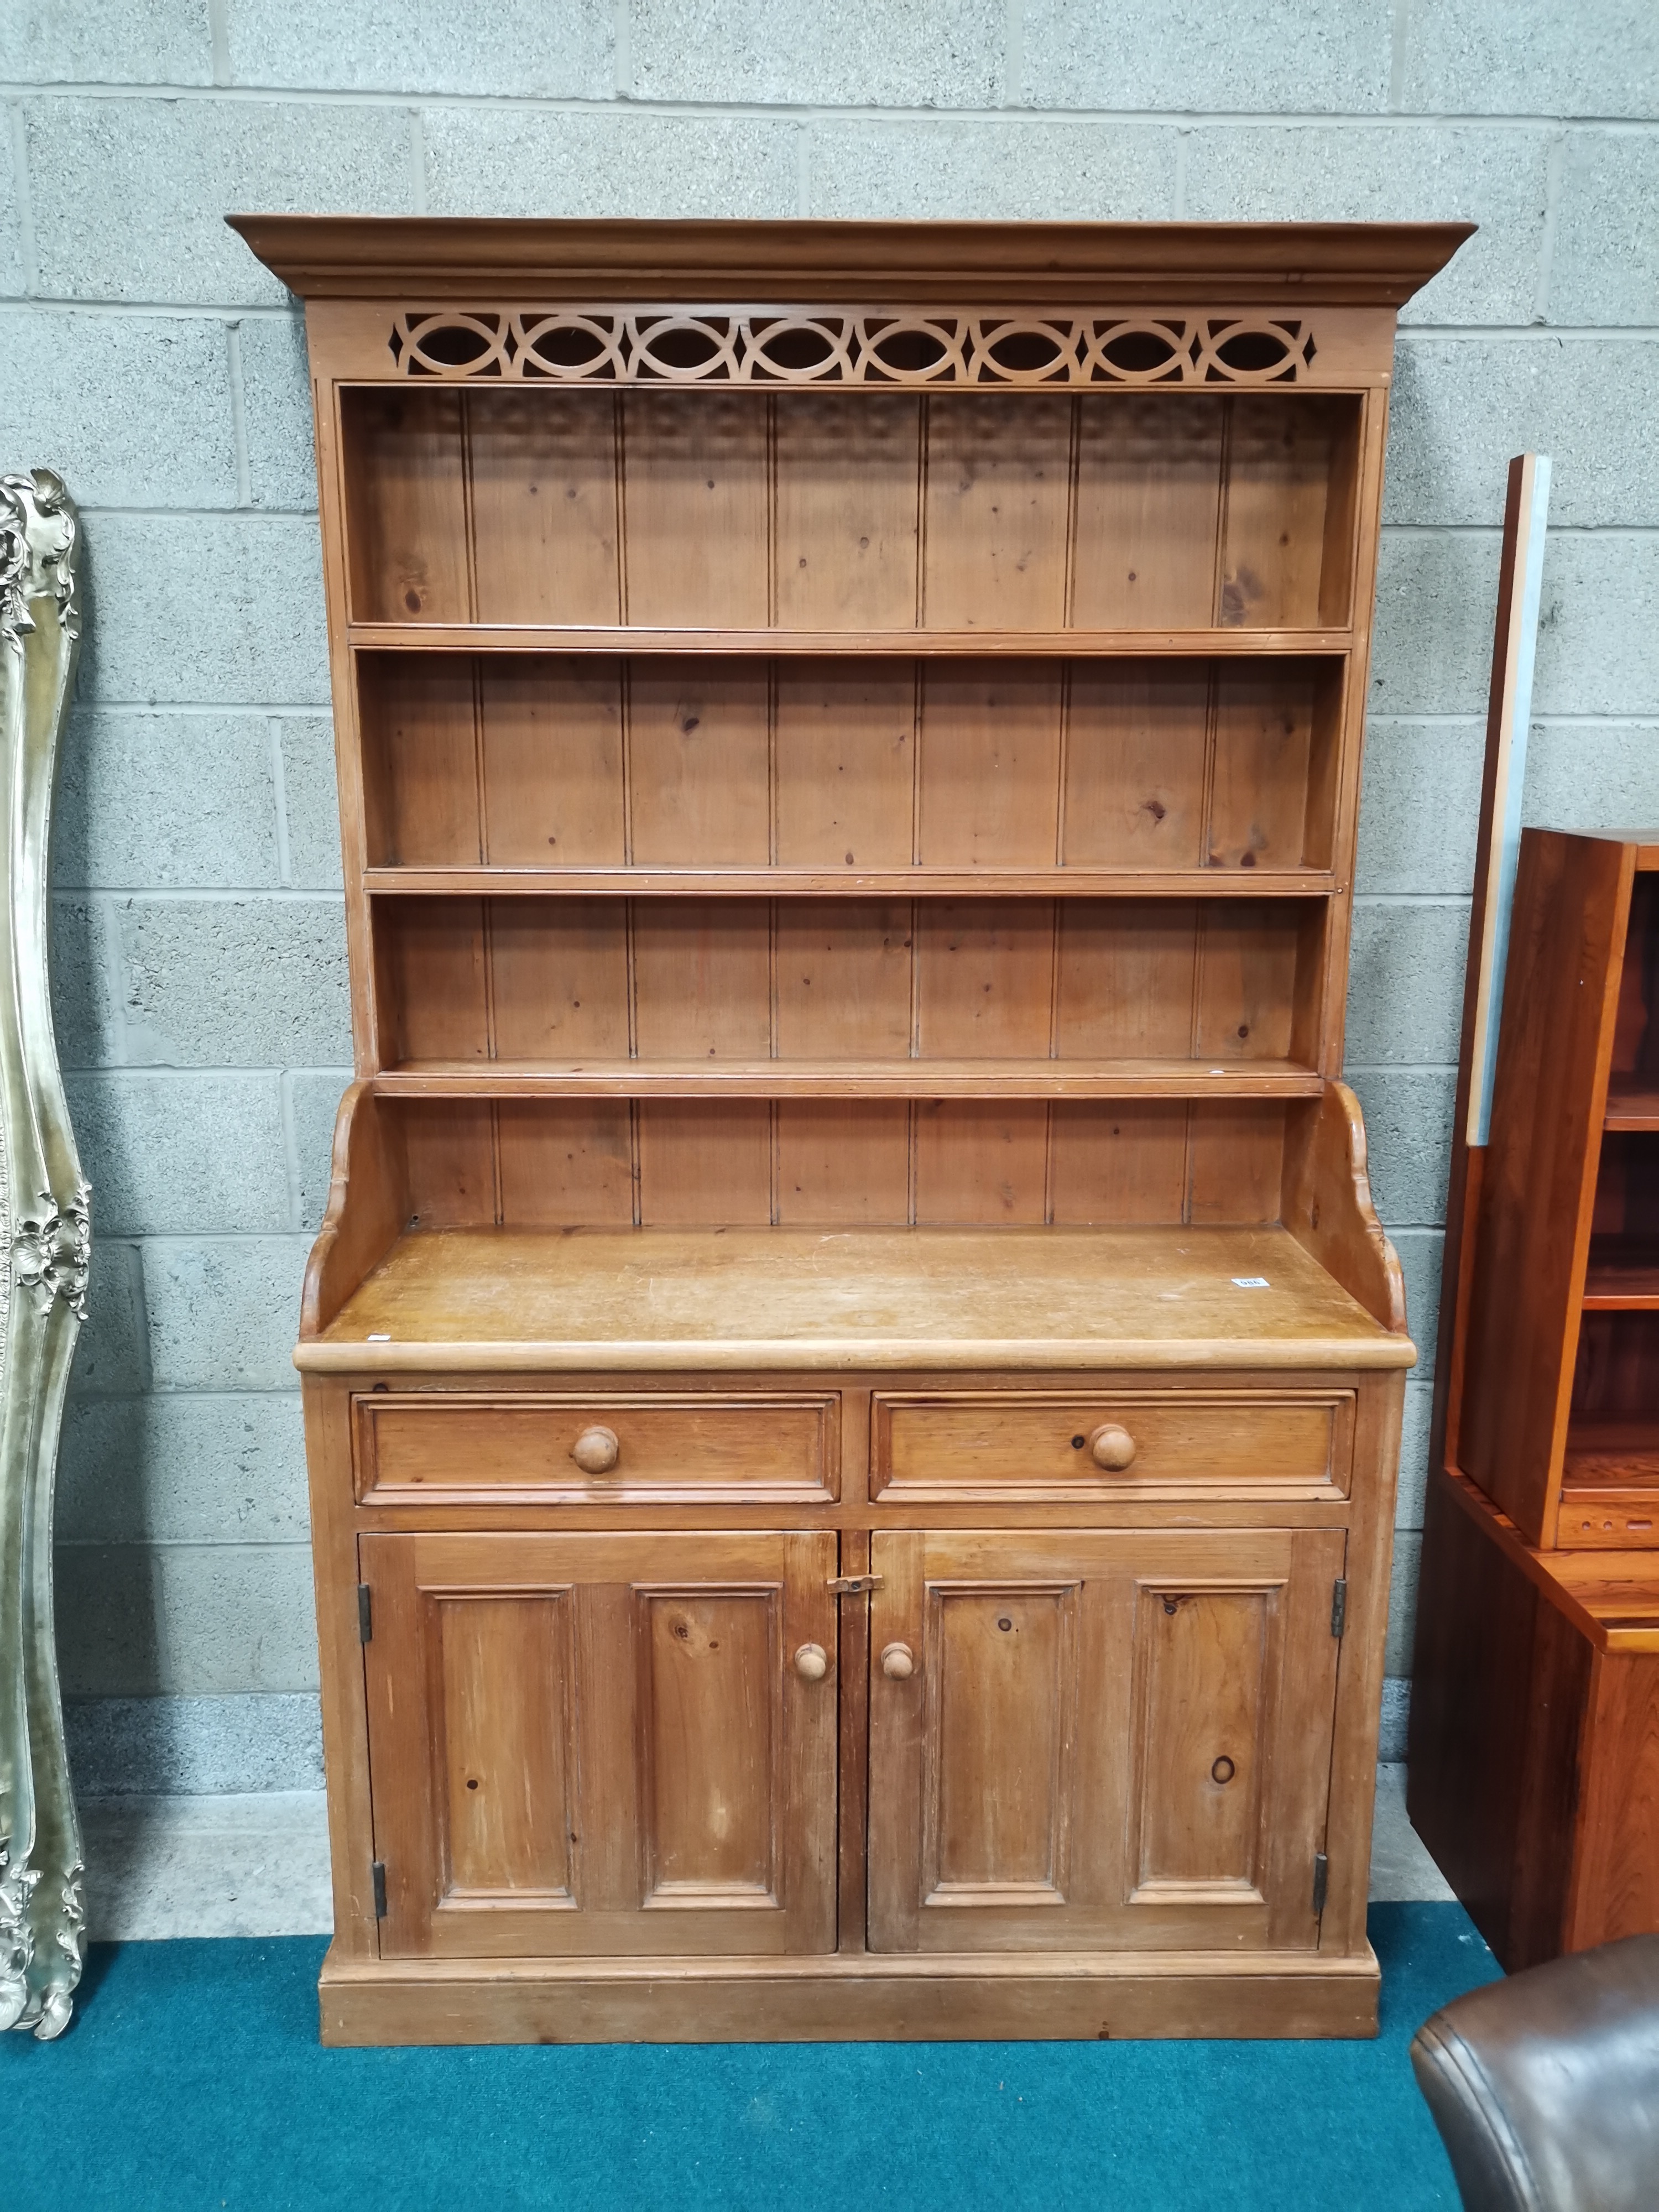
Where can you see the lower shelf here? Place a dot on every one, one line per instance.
(852, 1079)
(849, 1998)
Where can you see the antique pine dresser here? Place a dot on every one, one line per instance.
(852, 1380)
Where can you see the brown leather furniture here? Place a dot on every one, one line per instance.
(1545, 2087)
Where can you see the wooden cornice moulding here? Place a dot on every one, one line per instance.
(1028, 264)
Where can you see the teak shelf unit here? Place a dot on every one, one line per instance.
(852, 1383)
(1534, 1731)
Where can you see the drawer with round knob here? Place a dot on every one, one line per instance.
(1042, 1447)
(459, 1448)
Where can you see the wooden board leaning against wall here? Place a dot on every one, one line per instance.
(853, 1382)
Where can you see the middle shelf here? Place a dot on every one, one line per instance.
(847, 882)
(1197, 768)
(898, 997)
(853, 1080)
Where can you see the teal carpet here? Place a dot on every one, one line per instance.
(192, 2080)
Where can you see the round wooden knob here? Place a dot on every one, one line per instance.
(1112, 1447)
(596, 1451)
(898, 1662)
(811, 1662)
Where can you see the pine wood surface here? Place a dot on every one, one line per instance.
(358, 257)
(594, 1694)
(759, 1298)
(419, 636)
(850, 1997)
(847, 877)
(897, 1077)
(997, 1822)
(469, 881)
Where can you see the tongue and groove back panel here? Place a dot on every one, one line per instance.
(810, 510)
(841, 1040)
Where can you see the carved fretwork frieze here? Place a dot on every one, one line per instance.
(872, 346)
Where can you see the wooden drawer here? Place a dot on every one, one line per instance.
(669, 1450)
(966, 1447)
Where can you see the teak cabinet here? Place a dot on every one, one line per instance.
(853, 1382)
(1534, 1733)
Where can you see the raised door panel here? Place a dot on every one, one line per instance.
(1113, 1741)
(1202, 1658)
(596, 1745)
(1003, 1740)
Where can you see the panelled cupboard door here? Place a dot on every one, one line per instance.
(1085, 1742)
(602, 1744)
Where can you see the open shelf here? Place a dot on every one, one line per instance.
(1610, 1483)
(838, 516)
(1623, 1275)
(1610, 1468)
(838, 989)
(1632, 1104)
(852, 1079)
(1611, 1452)
(956, 644)
(847, 882)
(1212, 767)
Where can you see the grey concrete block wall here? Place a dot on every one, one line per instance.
(146, 355)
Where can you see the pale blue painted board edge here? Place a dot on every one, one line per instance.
(1508, 831)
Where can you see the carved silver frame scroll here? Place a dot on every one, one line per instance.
(47, 1234)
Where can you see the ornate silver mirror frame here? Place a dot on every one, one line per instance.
(47, 1232)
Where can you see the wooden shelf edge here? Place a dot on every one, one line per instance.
(485, 881)
(1632, 1109)
(959, 644)
(1348, 1354)
(897, 1078)
(1569, 1578)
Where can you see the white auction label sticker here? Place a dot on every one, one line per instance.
(1250, 1282)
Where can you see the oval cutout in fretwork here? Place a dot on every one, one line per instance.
(1028, 349)
(1141, 350)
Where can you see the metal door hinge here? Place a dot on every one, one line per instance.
(852, 1585)
(365, 1614)
(378, 1870)
(1321, 1882)
(1339, 1607)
